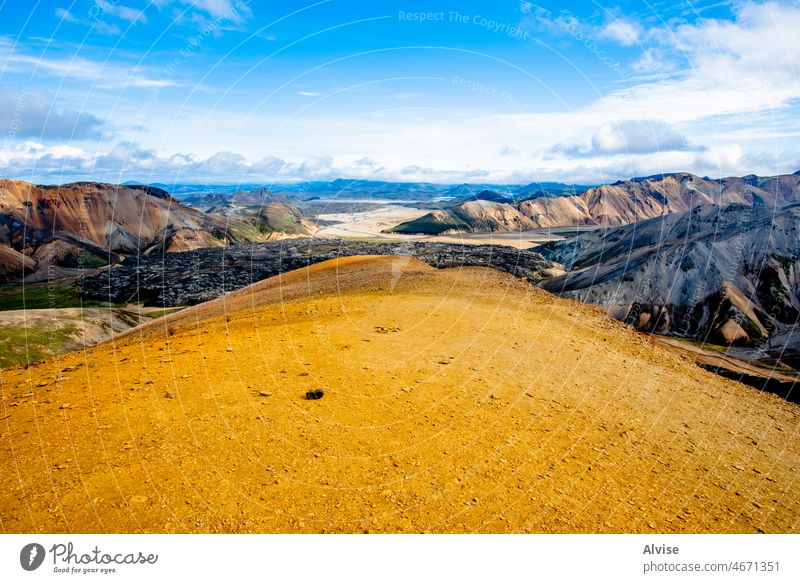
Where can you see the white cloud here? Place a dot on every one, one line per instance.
(66, 16)
(722, 157)
(730, 92)
(317, 167)
(101, 74)
(637, 137)
(651, 61)
(33, 115)
(620, 31)
(131, 15)
(759, 46)
(127, 161)
(107, 28)
(204, 12)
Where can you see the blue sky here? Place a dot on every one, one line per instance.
(229, 91)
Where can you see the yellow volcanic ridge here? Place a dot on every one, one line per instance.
(459, 400)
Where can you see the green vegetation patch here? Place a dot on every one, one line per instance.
(165, 312)
(44, 296)
(429, 225)
(20, 344)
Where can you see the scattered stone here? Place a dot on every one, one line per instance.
(386, 330)
(169, 395)
(314, 394)
(264, 394)
(65, 406)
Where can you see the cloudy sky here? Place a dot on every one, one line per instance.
(442, 91)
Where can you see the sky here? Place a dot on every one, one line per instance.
(505, 92)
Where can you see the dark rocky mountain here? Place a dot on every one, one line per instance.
(726, 274)
(492, 196)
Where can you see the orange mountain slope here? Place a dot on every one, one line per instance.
(459, 400)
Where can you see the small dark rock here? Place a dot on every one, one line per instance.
(315, 394)
(169, 395)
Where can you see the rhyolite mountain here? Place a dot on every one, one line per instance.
(90, 224)
(726, 274)
(270, 212)
(620, 203)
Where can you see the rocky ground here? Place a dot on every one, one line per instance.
(204, 274)
(455, 400)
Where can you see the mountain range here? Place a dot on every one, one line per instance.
(620, 203)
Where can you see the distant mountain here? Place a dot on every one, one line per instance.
(549, 189)
(87, 224)
(270, 213)
(620, 203)
(728, 274)
(247, 198)
(492, 196)
(347, 188)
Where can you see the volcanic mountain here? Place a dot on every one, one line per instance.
(454, 400)
(620, 203)
(91, 223)
(723, 274)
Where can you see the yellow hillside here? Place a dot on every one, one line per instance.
(457, 400)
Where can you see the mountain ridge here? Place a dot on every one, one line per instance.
(622, 202)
